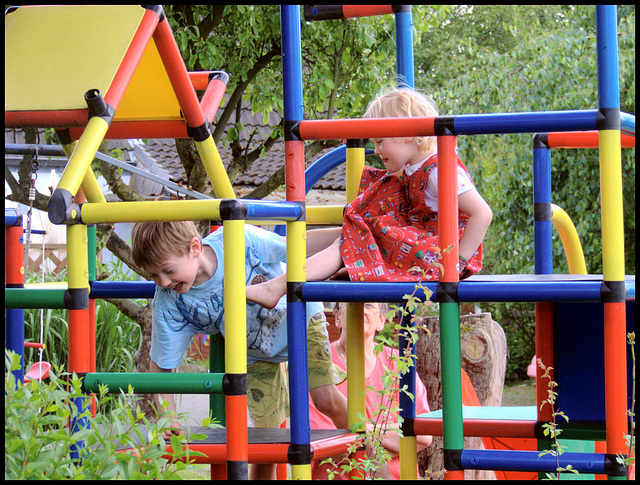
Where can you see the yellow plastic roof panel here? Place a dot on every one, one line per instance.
(150, 95)
(54, 54)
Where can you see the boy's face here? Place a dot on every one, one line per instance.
(177, 273)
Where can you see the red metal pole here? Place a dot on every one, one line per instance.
(366, 128)
(583, 139)
(615, 376)
(178, 75)
(352, 11)
(131, 59)
(448, 207)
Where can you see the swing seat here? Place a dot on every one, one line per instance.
(37, 372)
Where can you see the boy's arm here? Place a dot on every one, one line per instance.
(170, 399)
(319, 239)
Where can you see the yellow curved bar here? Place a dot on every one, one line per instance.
(570, 240)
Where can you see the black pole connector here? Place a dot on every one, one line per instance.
(61, 208)
(234, 385)
(98, 106)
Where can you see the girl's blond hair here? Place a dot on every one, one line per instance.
(402, 103)
(153, 242)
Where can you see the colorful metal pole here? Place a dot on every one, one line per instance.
(14, 279)
(408, 443)
(615, 363)
(449, 308)
(148, 382)
(300, 448)
(78, 314)
(235, 350)
(161, 210)
(404, 46)
(190, 106)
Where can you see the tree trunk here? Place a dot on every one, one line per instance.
(141, 360)
(483, 353)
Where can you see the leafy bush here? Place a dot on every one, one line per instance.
(38, 444)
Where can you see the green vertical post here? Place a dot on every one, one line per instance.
(451, 381)
(216, 365)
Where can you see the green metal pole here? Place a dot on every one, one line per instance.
(450, 362)
(155, 382)
(216, 365)
(34, 298)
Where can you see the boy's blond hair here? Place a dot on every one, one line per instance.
(405, 102)
(153, 242)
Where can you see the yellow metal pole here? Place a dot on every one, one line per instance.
(408, 458)
(356, 403)
(235, 307)
(296, 251)
(215, 169)
(89, 185)
(611, 206)
(157, 210)
(77, 256)
(80, 161)
(325, 214)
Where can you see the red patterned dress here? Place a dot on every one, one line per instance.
(389, 233)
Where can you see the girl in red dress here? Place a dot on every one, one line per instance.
(390, 231)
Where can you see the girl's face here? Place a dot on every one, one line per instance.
(397, 152)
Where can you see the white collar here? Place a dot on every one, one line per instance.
(411, 169)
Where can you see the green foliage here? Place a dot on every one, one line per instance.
(38, 444)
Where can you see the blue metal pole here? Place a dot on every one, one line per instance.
(533, 122)
(607, 45)
(291, 63)
(404, 46)
(542, 226)
(300, 448)
(532, 461)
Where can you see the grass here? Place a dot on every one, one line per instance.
(520, 394)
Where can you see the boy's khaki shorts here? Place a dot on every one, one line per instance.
(267, 387)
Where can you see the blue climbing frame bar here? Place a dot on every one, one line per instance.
(300, 448)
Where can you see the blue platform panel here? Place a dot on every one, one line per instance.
(579, 359)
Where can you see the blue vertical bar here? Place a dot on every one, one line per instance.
(542, 225)
(607, 45)
(296, 310)
(406, 403)
(291, 62)
(298, 374)
(404, 46)
(15, 338)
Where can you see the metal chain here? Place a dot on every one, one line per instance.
(35, 165)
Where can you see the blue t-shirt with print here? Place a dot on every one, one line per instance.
(177, 318)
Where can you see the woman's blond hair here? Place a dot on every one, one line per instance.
(153, 242)
(402, 103)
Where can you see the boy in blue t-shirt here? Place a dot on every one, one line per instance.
(189, 299)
